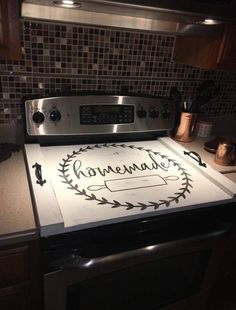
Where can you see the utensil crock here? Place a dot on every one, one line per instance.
(186, 131)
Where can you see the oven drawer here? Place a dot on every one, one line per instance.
(166, 274)
(143, 286)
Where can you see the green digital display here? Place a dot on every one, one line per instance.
(106, 114)
(107, 109)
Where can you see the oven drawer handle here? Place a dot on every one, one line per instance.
(197, 157)
(38, 174)
(74, 260)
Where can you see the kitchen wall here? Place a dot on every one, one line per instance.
(65, 58)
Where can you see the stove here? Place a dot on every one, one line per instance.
(121, 207)
(79, 186)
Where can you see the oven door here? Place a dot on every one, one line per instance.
(175, 275)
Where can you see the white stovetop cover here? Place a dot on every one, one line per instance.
(108, 183)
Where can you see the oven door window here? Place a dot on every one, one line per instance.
(142, 287)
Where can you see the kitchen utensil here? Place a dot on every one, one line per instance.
(176, 97)
(187, 127)
(205, 92)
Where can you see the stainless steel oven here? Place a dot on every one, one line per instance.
(126, 220)
(169, 263)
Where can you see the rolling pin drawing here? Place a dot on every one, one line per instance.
(124, 184)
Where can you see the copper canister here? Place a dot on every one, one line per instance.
(225, 154)
(187, 127)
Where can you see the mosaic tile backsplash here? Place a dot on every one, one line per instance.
(68, 59)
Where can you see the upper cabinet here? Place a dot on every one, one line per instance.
(10, 48)
(208, 53)
(227, 53)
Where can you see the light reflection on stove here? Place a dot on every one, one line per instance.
(150, 247)
(89, 263)
(120, 100)
(40, 108)
(114, 128)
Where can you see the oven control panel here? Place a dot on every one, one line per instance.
(101, 114)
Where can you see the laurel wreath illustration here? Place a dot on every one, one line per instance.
(181, 192)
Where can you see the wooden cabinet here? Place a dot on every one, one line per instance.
(208, 53)
(227, 53)
(14, 266)
(10, 47)
(15, 297)
(20, 277)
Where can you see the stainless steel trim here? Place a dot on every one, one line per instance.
(30, 10)
(69, 108)
(122, 15)
(57, 282)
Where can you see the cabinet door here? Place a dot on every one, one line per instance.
(10, 47)
(199, 52)
(15, 297)
(208, 53)
(14, 266)
(227, 54)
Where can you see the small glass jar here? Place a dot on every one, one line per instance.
(204, 129)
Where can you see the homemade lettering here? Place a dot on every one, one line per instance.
(89, 172)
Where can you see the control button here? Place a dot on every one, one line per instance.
(55, 115)
(165, 114)
(141, 113)
(153, 113)
(38, 117)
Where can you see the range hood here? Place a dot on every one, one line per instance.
(173, 16)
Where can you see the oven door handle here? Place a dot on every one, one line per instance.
(146, 253)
